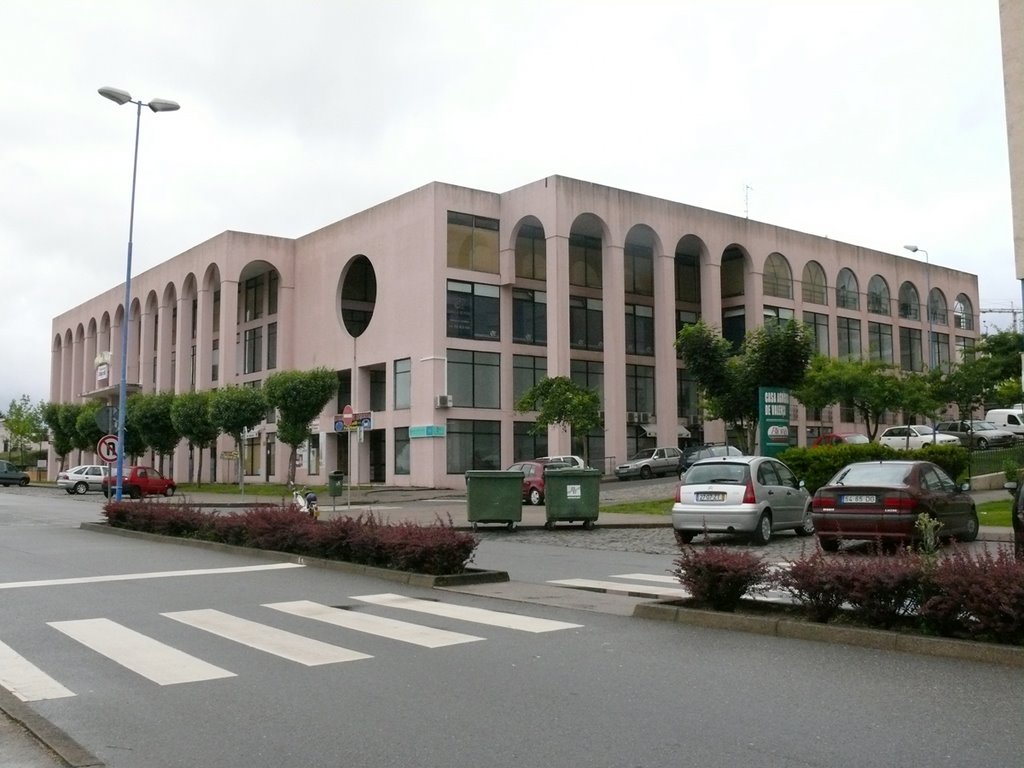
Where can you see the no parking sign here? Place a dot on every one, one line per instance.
(106, 448)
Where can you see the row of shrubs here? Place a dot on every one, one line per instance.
(970, 596)
(434, 550)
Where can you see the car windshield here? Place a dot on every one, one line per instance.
(646, 454)
(715, 473)
(872, 474)
(856, 439)
(982, 426)
(923, 429)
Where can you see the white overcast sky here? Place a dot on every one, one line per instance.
(875, 122)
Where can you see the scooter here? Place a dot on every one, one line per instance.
(305, 500)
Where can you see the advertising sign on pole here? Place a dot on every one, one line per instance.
(773, 420)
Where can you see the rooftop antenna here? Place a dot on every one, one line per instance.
(746, 200)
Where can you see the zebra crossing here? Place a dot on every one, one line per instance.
(162, 664)
(655, 586)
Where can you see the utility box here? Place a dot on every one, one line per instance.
(572, 495)
(494, 497)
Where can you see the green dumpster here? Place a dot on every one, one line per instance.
(572, 495)
(336, 483)
(494, 497)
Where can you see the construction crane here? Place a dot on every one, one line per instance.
(1014, 311)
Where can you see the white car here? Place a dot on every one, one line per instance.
(915, 436)
(87, 477)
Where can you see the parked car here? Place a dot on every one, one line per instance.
(1010, 419)
(11, 475)
(87, 477)
(978, 434)
(706, 451)
(137, 482)
(914, 436)
(649, 462)
(576, 462)
(533, 477)
(1017, 518)
(838, 438)
(880, 501)
(756, 495)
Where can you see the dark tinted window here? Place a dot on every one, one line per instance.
(873, 474)
(716, 472)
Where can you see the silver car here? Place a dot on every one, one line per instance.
(87, 477)
(755, 495)
(649, 462)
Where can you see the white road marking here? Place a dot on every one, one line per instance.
(25, 680)
(392, 629)
(617, 588)
(143, 655)
(287, 645)
(467, 613)
(151, 575)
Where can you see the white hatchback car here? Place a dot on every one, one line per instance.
(915, 436)
(87, 477)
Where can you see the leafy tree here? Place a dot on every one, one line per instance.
(234, 410)
(150, 418)
(869, 386)
(87, 433)
(775, 356)
(190, 415)
(968, 385)
(24, 423)
(560, 400)
(60, 419)
(1003, 349)
(299, 397)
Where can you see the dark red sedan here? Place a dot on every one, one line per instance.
(880, 501)
(533, 477)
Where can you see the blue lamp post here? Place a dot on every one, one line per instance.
(157, 105)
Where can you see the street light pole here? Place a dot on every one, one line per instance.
(157, 105)
(927, 301)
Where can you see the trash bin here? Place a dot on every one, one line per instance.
(494, 497)
(336, 483)
(572, 494)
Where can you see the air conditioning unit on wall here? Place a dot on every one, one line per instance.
(631, 417)
(444, 401)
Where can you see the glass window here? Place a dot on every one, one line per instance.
(775, 317)
(473, 310)
(687, 269)
(640, 388)
(251, 457)
(525, 445)
(527, 372)
(878, 295)
(963, 313)
(639, 269)
(271, 346)
(474, 378)
(253, 351)
(910, 303)
(585, 266)
(586, 323)
(937, 307)
(732, 273)
(472, 445)
(687, 396)
(531, 253)
(472, 242)
(813, 287)
(254, 294)
(378, 389)
(270, 450)
(273, 285)
(910, 349)
(847, 290)
(529, 316)
(848, 331)
(403, 384)
(588, 374)
(880, 342)
(778, 277)
(402, 450)
(215, 360)
(965, 349)
(639, 329)
(940, 350)
(734, 326)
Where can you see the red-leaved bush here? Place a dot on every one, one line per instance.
(819, 582)
(719, 577)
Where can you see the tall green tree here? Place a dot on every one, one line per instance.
(190, 414)
(233, 410)
(24, 423)
(87, 432)
(561, 401)
(774, 356)
(60, 419)
(300, 397)
(149, 416)
(869, 386)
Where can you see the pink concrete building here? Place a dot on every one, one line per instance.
(439, 307)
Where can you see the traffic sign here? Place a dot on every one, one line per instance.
(347, 415)
(106, 418)
(106, 448)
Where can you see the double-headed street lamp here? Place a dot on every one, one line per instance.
(927, 301)
(157, 105)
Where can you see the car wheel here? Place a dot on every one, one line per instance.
(684, 537)
(971, 533)
(23, 482)
(763, 532)
(70, 491)
(982, 443)
(169, 490)
(535, 497)
(80, 487)
(829, 544)
(134, 492)
(645, 473)
(807, 526)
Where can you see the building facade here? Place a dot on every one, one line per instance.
(440, 307)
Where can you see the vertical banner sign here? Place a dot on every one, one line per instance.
(773, 420)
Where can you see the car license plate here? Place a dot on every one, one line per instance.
(855, 499)
(709, 496)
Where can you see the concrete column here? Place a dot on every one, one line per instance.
(204, 339)
(145, 351)
(665, 360)
(228, 332)
(613, 312)
(162, 381)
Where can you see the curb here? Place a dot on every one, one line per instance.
(49, 736)
(878, 639)
(470, 576)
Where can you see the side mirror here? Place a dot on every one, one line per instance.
(1011, 487)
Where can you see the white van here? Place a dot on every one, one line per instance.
(1010, 419)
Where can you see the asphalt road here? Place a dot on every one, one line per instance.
(510, 688)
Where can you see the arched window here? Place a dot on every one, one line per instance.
(878, 295)
(778, 277)
(963, 313)
(732, 272)
(847, 290)
(814, 288)
(937, 307)
(910, 302)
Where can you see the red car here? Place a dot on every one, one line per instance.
(880, 501)
(137, 482)
(835, 438)
(533, 477)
